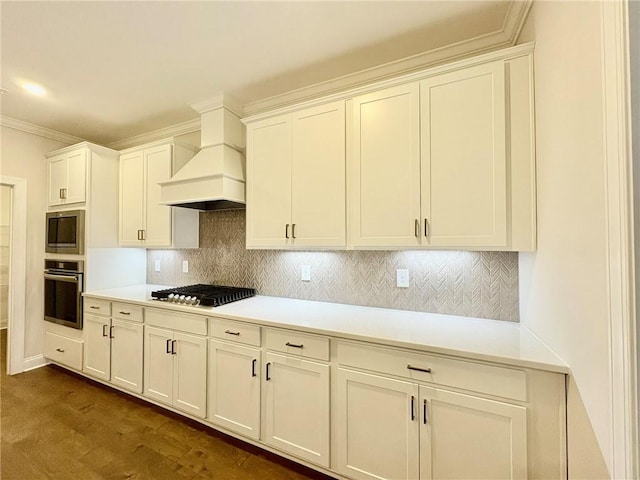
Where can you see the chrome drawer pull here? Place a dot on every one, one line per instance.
(94, 307)
(418, 369)
(124, 313)
(229, 332)
(61, 350)
(294, 345)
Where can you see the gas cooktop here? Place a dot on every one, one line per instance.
(203, 295)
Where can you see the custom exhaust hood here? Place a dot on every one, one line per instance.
(214, 179)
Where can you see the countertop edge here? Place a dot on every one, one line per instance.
(559, 367)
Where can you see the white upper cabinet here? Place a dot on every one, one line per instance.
(446, 161)
(68, 177)
(296, 179)
(442, 158)
(385, 181)
(143, 221)
(463, 158)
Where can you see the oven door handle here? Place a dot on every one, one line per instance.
(63, 278)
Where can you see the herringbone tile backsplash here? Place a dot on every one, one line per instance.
(472, 284)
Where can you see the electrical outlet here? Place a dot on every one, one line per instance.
(185, 266)
(305, 273)
(157, 265)
(402, 278)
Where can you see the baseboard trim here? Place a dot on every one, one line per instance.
(36, 361)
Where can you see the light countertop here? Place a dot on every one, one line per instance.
(475, 338)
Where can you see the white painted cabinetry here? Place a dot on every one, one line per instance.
(296, 179)
(234, 377)
(175, 360)
(143, 221)
(67, 175)
(446, 161)
(296, 395)
(113, 345)
(442, 418)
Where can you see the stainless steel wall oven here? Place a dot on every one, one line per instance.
(63, 285)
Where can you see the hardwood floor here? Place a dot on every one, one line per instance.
(61, 426)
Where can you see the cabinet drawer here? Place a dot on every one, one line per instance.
(66, 351)
(477, 377)
(176, 321)
(127, 311)
(296, 343)
(97, 306)
(234, 331)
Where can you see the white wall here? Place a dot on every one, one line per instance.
(5, 217)
(22, 156)
(563, 285)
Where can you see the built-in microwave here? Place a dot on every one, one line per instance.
(65, 232)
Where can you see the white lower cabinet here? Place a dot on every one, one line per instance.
(234, 388)
(464, 436)
(391, 429)
(113, 350)
(175, 369)
(296, 407)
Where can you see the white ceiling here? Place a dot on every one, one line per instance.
(118, 69)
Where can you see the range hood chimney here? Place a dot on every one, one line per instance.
(214, 178)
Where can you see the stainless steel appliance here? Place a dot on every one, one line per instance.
(65, 232)
(63, 287)
(203, 295)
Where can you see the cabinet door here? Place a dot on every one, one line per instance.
(377, 425)
(318, 177)
(76, 177)
(190, 374)
(57, 179)
(158, 364)
(126, 355)
(234, 388)
(131, 199)
(464, 157)
(97, 346)
(297, 407)
(385, 180)
(157, 230)
(269, 182)
(463, 436)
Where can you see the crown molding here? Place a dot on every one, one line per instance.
(183, 128)
(504, 37)
(10, 122)
(219, 101)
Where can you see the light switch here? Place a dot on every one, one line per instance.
(157, 265)
(305, 273)
(185, 266)
(402, 278)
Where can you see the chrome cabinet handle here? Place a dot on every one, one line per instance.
(253, 367)
(293, 230)
(124, 313)
(168, 349)
(424, 412)
(94, 307)
(144, 234)
(417, 228)
(294, 345)
(286, 231)
(267, 377)
(418, 369)
(426, 227)
(229, 332)
(61, 350)
(111, 332)
(174, 351)
(104, 330)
